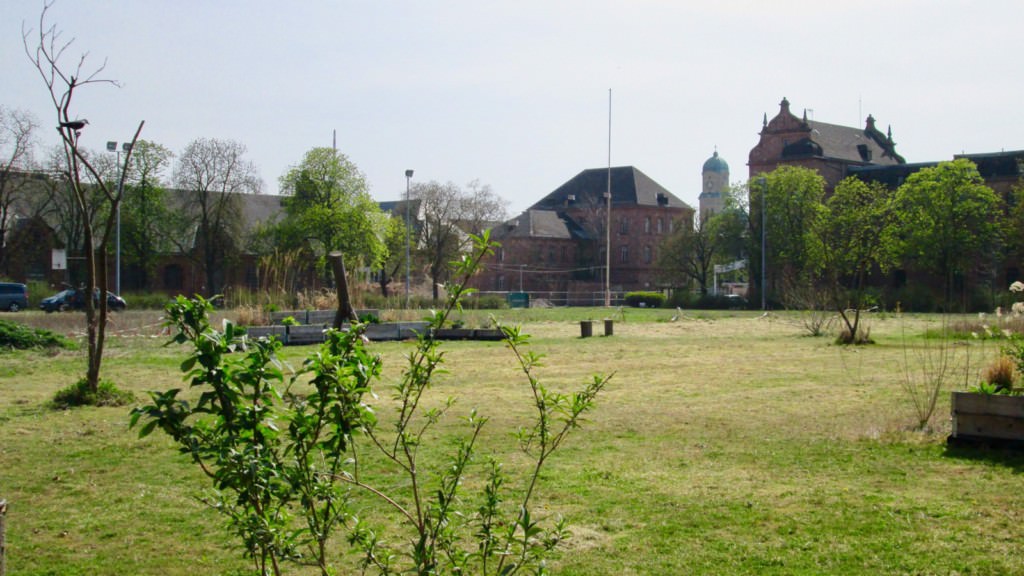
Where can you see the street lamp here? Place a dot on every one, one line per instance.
(764, 218)
(408, 179)
(112, 147)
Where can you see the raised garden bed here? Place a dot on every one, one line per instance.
(987, 419)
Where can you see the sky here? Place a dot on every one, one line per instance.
(523, 95)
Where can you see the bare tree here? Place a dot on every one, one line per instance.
(213, 173)
(17, 140)
(449, 214)
(46, 52)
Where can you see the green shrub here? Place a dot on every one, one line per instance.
(289, 321)
(485, 302)
(145, 300)
(369, 318)
(79, 394)
(645, 299)
(14, 335)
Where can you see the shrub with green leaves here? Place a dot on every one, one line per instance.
(20, 337)
(292, 460)
(645, 299)
(81, 394)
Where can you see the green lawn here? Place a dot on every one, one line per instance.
(726, 444)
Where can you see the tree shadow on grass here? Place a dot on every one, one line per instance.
(1007, 454)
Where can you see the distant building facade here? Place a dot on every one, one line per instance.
(558, 245)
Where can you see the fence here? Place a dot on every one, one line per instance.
(558, 299)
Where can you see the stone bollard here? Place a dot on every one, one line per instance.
(608, 327)
(586, 328)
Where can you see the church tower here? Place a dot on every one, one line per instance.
(715, 178)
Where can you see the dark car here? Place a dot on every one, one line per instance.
(13, 296)
(75, 300)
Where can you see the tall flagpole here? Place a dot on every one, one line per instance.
(608, 210)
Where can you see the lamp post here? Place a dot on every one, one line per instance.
(608, 210)
(408, 179)
(764, 233)
(112, 147)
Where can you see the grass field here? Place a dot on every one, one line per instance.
(726, 444)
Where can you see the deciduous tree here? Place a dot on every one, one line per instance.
(329, 206)
(147, 222)
(17, 141)
(947, 220)
(213, 174)
(449, 214)
(91, 192)
(854, 239)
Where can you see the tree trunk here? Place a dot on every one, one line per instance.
(345, 310)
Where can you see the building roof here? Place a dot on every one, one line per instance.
(630, 187)
(861, 145)
(802, 138)
(535, 223)
(715, 164)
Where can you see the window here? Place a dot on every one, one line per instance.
(551, 254)
(565, 253)
(647, 225)
(624, 226)
(661, 225)
(624, 254)
(671, 225)
(500, 253)
(647, 255)
(499, 283)
(173, 277)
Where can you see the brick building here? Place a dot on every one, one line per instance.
(557, 246)
(828, 148)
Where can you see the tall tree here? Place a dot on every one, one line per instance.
(688, 254)
(791, 200)
(147, 223)
(449, 214)
(393, 263)
(17, 140)
(213, 174)
(854, 239)
(948, 220)
(45, 52)
(329, 205)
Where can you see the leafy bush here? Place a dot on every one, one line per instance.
(289, 321)
(17, 336)
(485, 302)
(79, 394)
(369, 318)
(145, 300)
(293, 461)
(645, 299)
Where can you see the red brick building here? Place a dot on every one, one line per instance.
(828, 148)
(556, 248)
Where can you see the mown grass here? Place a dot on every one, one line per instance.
(726, 444)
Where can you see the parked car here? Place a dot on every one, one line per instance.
(74, 300)
(13, 296)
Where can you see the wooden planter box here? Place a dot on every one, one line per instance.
(987, 418)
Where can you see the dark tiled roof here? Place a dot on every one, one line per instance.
(629, 187)
(852, 144)
(536, 223)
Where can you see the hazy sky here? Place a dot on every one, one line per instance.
(516, 94)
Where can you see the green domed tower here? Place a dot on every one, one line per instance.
(715, 176)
